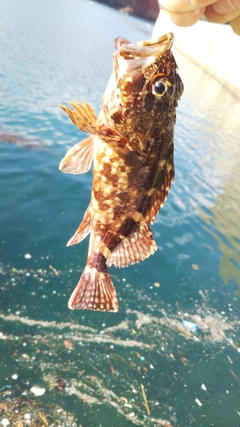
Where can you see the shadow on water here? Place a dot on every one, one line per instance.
(143, 365)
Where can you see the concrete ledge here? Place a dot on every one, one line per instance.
(214, 47)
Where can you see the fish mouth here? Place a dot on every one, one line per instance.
(143, 49)
(128, 56)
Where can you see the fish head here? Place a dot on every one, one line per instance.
(143, 90)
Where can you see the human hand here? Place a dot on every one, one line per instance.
(187, 12)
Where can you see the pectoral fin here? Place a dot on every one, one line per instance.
(79, 158)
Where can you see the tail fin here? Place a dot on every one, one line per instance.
(94, 291)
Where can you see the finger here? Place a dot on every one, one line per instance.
(235, 24)
(186, 19)
(184, 5)
(226, 6)
(212, 15)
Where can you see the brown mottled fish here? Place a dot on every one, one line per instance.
(132, 149)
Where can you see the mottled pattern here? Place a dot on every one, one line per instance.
(132, 149)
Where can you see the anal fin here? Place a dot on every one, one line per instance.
(79, 158)
(136, 247)
(83, 230)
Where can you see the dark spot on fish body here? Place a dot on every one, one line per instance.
(116, 117)
(107, 169)
(99, 196)
(128, 226)
(158, 135)
(148, 105)
(114, 180)
(122, 143)
(162, 142)
(159, 178)
(98, 261)
(103, 207)
(107, 173)
(114, 243)
(144, 204)
(112, 238)
(103, 203)
(170, 151)
(133, 162)
(144, 179)
(106, 132)
(135, 86)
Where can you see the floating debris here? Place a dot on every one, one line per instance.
(235, 375)
(156, 284)
(15, 376)
(68, 344)
(145, 400)
(60, 385)
(56, 272)
(37, 391)
(19, 412)
(198, 402)
(190, 325)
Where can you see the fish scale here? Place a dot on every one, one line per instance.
(132, 151)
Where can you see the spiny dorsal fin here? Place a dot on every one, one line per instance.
(138, 246)
(82, 116)
(83, 229)
(79, 158)
(94, 291)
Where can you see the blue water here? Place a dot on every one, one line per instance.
(52, 52)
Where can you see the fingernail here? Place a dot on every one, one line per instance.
(174, 5)
(222, 6)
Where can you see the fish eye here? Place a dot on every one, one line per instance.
(159, 87)
(162, 88)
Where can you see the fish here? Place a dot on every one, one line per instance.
(12, 138)
(131, 147)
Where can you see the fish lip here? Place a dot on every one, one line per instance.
(152, 47)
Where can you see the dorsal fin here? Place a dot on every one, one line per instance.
(136, 247)
(82, 116)
(83, 230)
(161, 193)
(79, 158)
